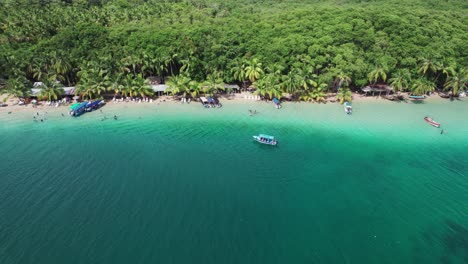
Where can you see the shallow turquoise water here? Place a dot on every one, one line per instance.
(181, 184)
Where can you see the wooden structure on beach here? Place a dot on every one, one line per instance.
(159, 89)
(67, 91)
(377, 88)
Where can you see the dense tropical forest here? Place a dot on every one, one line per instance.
(301, 48)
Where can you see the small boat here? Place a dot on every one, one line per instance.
(266, 139)
(93, 105)
(73, 106)
(431, 121)
(205, 102)
(78, 110)
(277, 103)
(417, 97)
(215, 102)
(348, 108)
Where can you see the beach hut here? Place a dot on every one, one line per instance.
(377, 88)
(159, 89)
(232, 88)
(154, 80)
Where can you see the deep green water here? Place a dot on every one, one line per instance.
(181, 184)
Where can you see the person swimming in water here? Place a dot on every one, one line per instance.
(115, 117)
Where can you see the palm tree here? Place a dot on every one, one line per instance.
(457, 81)
(318, 94)
(195, 88)
(93, 82)
(269, 86)
(292, 81)
(238, 71)
(344, 95)
(340, 79)
(308, 78)
(50, 89)
(426, 66)
(116, 84)
(15, 88)
(179, 84)
(60, 66)
(213, 83)
(253, 70)
(422, 86)
(84, 89)
(34, 68)
(399, 80)
(141, 87)
(378, 74)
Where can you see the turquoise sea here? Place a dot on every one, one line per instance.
(175, 183)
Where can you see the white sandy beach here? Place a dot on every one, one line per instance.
(232, 105)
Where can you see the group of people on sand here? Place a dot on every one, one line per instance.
(133, 100)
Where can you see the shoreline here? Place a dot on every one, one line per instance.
(242, 98)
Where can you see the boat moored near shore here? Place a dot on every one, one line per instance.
(417, 97)
(348, 108)
(277, 103)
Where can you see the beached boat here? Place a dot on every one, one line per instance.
(431, 121)
(73, 106)
(348, 108)
(266, 139)
(93, 105)
(213, 102)
(277, 103)
(78, 109)
(417, 97)
(205, 102)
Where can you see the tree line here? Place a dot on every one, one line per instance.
(302, 48)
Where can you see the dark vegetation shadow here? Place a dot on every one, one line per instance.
(453, 237)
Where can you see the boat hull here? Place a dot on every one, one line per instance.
(348, 108)
(271, 143)
(431, 122)
(417, 97)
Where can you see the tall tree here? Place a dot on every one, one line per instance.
(50, 90)
(378, 74)
(179, 84)
(457, 81)
(344, 95)
(253, 70)
(422, 86)
(400, 80)
(16, 87)
(341, 79)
